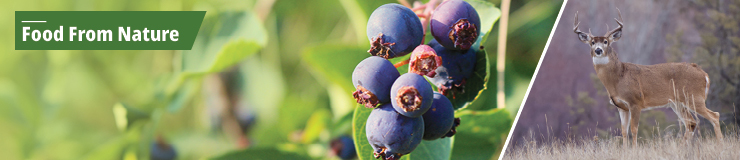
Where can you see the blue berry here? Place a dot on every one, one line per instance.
(393, 30)
(411, 95)
(455, 24)
(344, 147)
(439, 120)
(160, 150)
(457, 67)
(373, 79)
(392, 135)
(246, 118)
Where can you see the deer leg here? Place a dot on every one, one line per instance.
(634, 123)
(690, 122)
(713, 117)
(624, 116)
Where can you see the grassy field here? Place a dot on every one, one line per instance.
(657, 147)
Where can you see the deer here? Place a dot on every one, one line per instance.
(632, 88)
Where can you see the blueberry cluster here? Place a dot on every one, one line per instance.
(406, 108)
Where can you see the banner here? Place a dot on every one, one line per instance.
(106, 30)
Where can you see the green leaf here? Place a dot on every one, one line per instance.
(224, 40)
(265, 88)
(364, 150)
(315, 125)
(260, 154)
(475, 84)
(481, 133)
(183, 95)
(342, 125)
(335, 62)
(488, 14)
(110, 149)
(126, 116)
(232, 53)
(437, 149)
(358, 18)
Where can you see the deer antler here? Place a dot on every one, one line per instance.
(583, 36)
(619, 22)
(576, 23)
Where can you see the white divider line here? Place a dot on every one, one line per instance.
(33, 21)
(526, 95)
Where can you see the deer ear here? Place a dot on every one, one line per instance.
(585, 38)
(615, 35)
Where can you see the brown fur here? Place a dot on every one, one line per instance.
(634, 87)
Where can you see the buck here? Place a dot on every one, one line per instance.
(683, 87)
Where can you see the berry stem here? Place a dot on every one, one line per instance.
(421, 15)
(229, 122)
(419, 8)
(263, 7)
(430, 7)
(501, 54)
(405, 3)
(426, 15)
(404, 62)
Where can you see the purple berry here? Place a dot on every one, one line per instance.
(411, 95)
(439, 120)
(373, 79)
(455, 24)
(161, 150)
(393, 30)
(344, 147)
(392, 135)
(246, 118)
(457, 66)
(424, 61)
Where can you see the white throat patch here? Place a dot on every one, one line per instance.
(601, 60)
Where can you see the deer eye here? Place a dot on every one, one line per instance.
(605, 42)
(592, 43)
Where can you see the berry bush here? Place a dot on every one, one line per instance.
(439, 78)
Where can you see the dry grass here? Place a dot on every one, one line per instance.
(668, 147)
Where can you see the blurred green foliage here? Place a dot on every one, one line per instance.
(71, 104)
